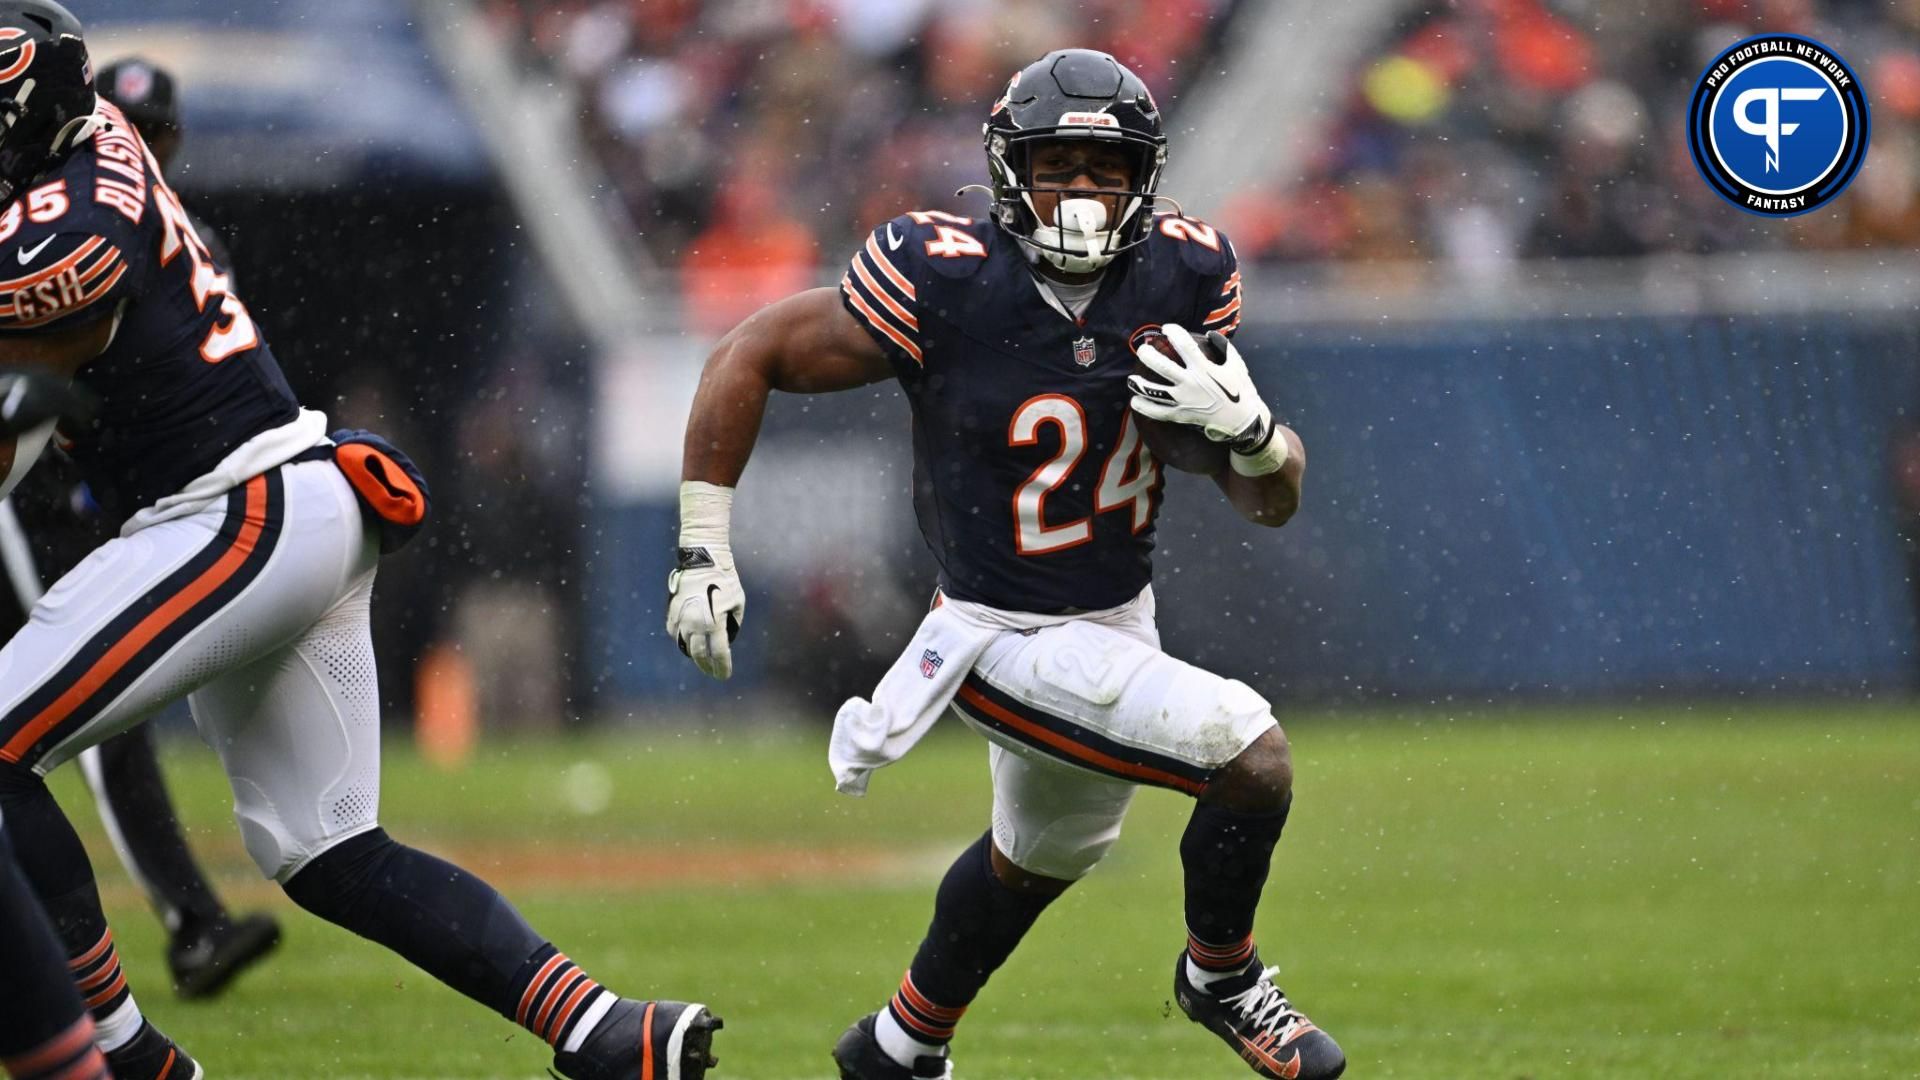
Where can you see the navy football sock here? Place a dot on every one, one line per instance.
(977, 921)
(452, 925)
(55, 866)
(1226, 854)
(45, 1031)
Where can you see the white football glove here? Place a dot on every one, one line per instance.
(706, 604)
(1216, 396)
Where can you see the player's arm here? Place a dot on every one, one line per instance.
(808, 343)
(1210, 388)
(1269, 499)
(36, 389)
(805, 344)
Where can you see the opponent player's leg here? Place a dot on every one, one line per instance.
(299, 734)
(1051, 825)
(45, 1030)
(206, 947)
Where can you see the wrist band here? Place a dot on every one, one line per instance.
(706, 514)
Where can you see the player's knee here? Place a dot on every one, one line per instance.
(1257, 781)
(1022, 880)
(330, 883)
(1053, 854)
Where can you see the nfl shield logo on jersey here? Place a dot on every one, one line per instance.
(930, 662)
(1083, 351)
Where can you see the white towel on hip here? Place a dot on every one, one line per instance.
(922, 682)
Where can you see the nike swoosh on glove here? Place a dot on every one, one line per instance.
(705, 607)
(1215, 395)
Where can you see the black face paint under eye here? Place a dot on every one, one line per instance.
(1065, 177)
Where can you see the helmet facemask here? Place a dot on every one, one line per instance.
(1088, 227)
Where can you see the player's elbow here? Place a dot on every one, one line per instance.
(1272, 515)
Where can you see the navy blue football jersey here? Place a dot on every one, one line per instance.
(1031, 482)
(188, 376)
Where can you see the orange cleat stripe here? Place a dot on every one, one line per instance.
(646, 1043)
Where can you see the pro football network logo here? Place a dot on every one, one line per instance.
(1778, 125)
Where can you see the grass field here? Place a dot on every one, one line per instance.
(1678, 893)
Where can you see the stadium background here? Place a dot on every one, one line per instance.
(1601, 611)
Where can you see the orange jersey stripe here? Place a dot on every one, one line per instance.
(56, 269)
(880, 323)
(1223, 310)
(886, 268)
(1074, 750)
(176, 607)
(860, 267)
(86, 300)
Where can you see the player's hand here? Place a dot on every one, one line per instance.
(705, 607)
(1215, 395)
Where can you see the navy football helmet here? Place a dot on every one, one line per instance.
(1074, 94)
(46, 90)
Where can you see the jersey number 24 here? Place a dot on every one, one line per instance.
(1127, 480)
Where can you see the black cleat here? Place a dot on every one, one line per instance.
(859, 1056)
(152, 1056)
(205, 960)
(1253, 1016)
(646, 1040)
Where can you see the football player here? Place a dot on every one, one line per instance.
(48, 525)
(240, 577)
(1010, 338)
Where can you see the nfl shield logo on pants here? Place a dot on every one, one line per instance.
(930, 662)
(1083, 351)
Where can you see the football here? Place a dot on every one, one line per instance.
(1178, 446)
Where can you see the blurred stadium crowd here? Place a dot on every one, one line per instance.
(751, 139)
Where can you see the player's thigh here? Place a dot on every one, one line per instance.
(1053, 819)
(146, 618)
(1110, 703)
(298, 732)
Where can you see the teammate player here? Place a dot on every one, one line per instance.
(49, 524)
(240, 577)
(1011, 339)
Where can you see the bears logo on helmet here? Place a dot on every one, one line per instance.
(46, 90)
(22, 53)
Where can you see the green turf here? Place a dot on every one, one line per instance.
(1678, 893)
